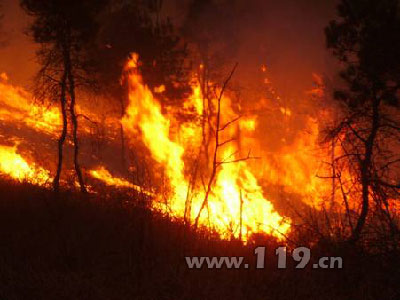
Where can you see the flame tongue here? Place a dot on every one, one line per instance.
(236, 194)
(145, 111)
(104, 175)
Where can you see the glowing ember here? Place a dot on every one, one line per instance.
(159, 89)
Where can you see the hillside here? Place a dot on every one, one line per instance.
(92, 247)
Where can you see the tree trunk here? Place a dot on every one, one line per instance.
(61, 140)
(74, 119)
(366, 165)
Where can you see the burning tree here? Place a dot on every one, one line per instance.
(64, 30)
(365, 39)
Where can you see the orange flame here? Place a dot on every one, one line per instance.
(105, 176)
(236, 195)
(15, 166)
(17, 106)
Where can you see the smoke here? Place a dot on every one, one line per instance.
(17, 51)
(287, 36)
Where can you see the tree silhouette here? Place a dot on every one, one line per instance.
(65, 31)
(366, 40)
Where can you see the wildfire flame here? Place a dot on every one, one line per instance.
(237, 205)
(236, 197)
(105, 176)
(15, 166)
(17, 106)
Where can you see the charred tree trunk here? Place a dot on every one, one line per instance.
(365, 171)
(61, 140)
(74, 119)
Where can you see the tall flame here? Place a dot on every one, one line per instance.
(144, 111)
(236, 198)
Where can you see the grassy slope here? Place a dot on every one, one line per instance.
(79, 247)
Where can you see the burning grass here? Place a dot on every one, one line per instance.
(15, 166)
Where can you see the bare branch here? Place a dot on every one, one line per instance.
(226, 142)
(229, 123)
(248, 157)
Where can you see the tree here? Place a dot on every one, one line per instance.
(65, 30)
(365, 40)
